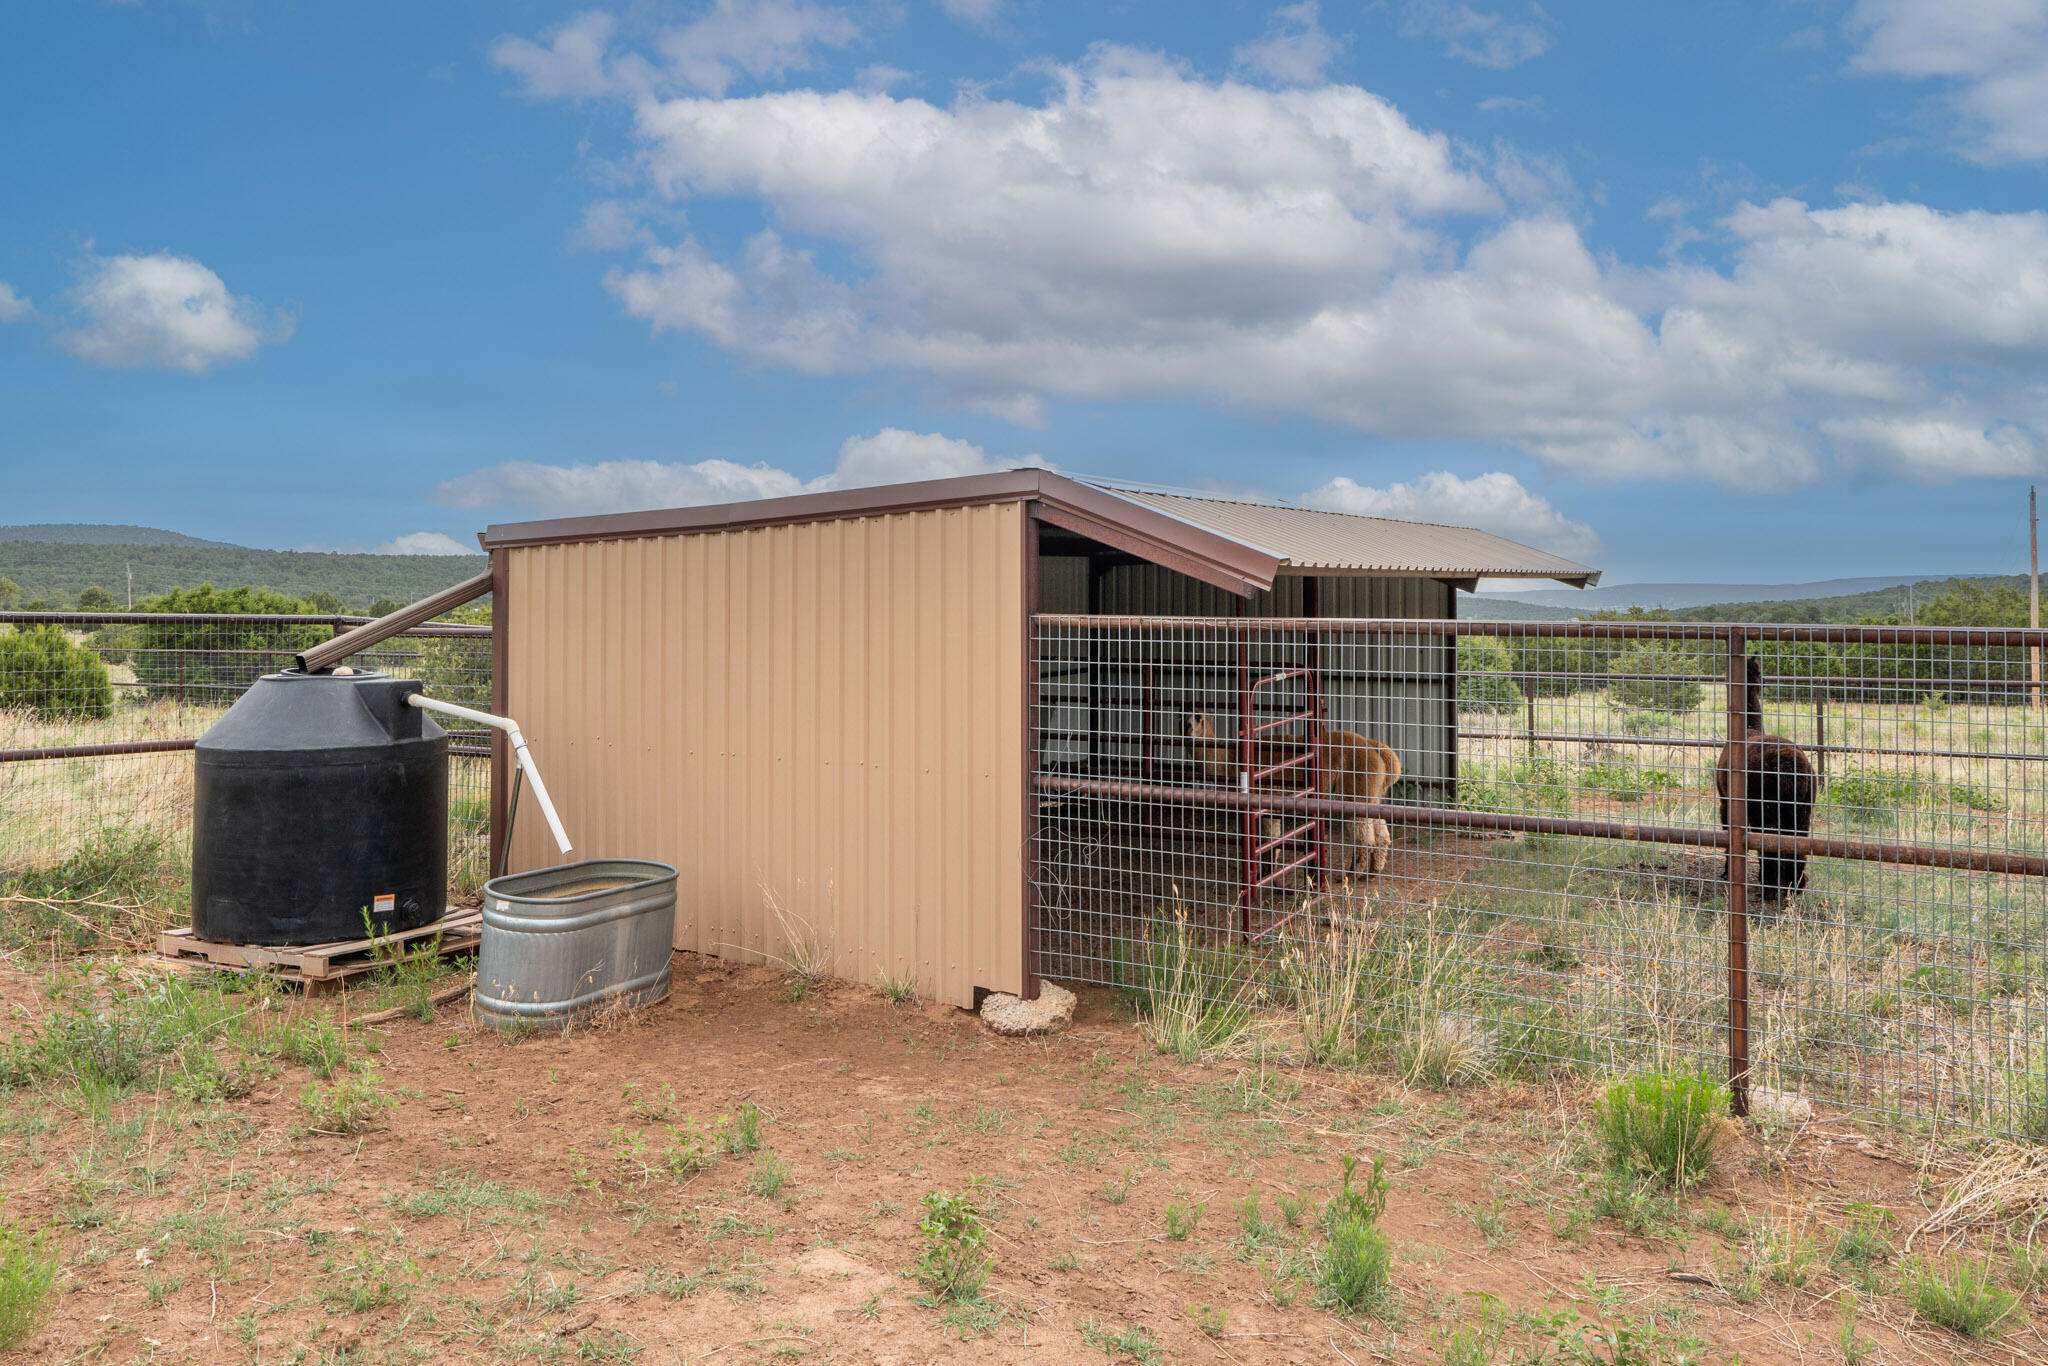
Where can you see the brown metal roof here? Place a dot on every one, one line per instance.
(1234, 545)
(1346, 543)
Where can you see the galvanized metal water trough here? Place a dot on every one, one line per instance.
(559, 943)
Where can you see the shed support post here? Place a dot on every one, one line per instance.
(1029, 984)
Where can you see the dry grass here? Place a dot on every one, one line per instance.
(1324, 971)
(805, 952)
(2007, 1187)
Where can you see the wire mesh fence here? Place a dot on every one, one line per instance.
(98, 713)
(1579, 845)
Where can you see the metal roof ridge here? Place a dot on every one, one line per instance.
(1284, 505)
(1188, 521)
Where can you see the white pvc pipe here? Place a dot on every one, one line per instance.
(511, 729)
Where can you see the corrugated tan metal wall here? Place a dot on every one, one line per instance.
(828, 713)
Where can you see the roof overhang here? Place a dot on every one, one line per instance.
(1125, 523)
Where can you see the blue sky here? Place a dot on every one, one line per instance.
(1741, 291)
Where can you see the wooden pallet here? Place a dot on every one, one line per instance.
(321, 967)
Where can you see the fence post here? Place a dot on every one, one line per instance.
(1529, 697)
(1737, 872)
(1820, 731)
(1248, 821)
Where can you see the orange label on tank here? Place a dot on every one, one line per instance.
(384, 903)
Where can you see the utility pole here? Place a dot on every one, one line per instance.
(131, 600)
(2033, 595)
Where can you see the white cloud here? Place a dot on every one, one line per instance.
(880, 76)
(1139, 233)
(13, 307)
(570, 66)
(1295, 49)
(730, 41)
(613, 486)
(1994, 54)
(611, 225)
(164, 311)
(894, 456)
(891, 455)
(1136, 208)
(1495, 502)
(1480, 37)
(982, 14)
(424, 543)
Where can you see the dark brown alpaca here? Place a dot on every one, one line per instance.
(1778, 786)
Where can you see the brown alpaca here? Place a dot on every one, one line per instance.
(1347, 765)
(1777, 792)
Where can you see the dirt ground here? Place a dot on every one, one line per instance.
(523, 1202)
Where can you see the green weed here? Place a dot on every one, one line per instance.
(1669, 1126)
(1352, 1269)
(769, 1176)
(348, 1105)
(1958, 1295)
(28, 1283)
(954, 1262)
(1133, 1340)
(1183, 1219)
(743, 1134)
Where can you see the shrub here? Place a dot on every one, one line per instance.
(1960, 1296)
(1483, 685)
(215, 662)
(28, 1283)
(43, 673)
(1670, 1126)
(1664, 688)
(1352, 1271)
(954, 1262)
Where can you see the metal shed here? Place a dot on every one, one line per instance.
(830, 704)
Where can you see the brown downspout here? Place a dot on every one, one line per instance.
(329, 653)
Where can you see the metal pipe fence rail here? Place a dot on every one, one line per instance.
(1608, 851)
(97, 709)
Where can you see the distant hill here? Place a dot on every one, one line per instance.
(94, 533)
(1678, 596)
(1889, 598)
(1489, 607)
(56, 572)
(1849, 607)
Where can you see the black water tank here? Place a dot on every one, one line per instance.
(317, 798)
